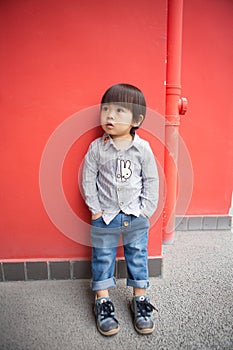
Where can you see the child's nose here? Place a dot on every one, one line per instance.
(111, 114)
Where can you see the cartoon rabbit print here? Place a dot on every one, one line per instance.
(125, 170)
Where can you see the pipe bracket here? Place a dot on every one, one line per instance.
(183, 105)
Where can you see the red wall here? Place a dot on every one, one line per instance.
(207, 72)
(57, 58)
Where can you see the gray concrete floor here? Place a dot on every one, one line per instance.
(194, 298)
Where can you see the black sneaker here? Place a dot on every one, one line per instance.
(142, 309)
(105, 320)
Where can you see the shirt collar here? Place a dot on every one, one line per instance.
(108, 142)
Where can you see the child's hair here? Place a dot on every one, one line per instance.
(128, 96)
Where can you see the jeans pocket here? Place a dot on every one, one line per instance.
(97, 222)
(144, 218)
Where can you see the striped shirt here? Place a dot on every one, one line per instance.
(117, 180)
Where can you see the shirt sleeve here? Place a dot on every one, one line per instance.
(89, 179)
(150, 183)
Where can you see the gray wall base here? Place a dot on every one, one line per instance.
(62, 270)
(195, 223)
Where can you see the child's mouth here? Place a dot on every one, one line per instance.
(109, 125)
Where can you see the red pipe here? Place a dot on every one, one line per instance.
(173, 103)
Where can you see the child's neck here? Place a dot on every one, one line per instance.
(122, 143)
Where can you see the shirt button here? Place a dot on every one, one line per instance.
(126, 223)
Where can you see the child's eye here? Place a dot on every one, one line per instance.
(120, 110)
(105, 108)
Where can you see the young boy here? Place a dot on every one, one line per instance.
(120, 182)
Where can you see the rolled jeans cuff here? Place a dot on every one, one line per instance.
(144, 284)
(101, 285)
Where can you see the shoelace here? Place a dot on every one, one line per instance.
(106, 309)
(144, 308)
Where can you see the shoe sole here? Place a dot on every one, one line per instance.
(144, 331)
(109, 333)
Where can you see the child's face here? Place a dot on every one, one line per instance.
(116, 120)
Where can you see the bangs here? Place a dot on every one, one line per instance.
(127, 96)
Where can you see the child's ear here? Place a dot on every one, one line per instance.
(139, 121)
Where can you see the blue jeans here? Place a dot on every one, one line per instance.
(105, 240)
